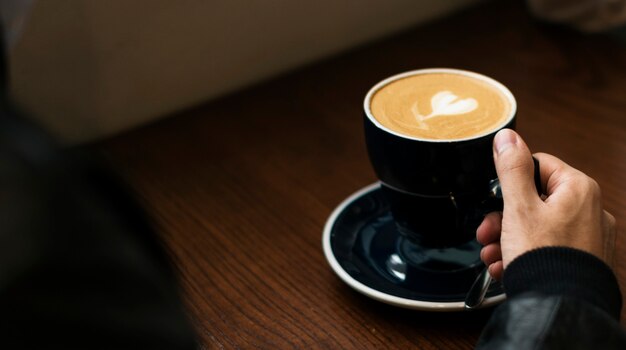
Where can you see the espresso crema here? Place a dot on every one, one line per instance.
(441, 106)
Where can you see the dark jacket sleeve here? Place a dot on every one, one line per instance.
(557, 298)
(80, 265)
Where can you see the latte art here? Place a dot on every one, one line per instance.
(443, 103)
(441, 106)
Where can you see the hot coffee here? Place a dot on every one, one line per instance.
(429, 136)
(442, 105)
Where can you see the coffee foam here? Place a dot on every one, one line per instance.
(441, 106)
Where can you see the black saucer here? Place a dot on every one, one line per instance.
(364, 248)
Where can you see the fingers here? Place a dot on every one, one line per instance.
(496, 270)
(491, 253)
(515, 168)
(489, 229)
(488, 234)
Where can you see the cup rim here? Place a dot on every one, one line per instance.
(505, 91)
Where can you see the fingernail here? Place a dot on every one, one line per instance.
(504, 139)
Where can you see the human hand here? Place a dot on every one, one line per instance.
(570, 214)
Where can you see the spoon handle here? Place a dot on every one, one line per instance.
(477, 291)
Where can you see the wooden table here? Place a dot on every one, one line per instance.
(240, 188)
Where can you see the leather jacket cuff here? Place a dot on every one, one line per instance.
(567, 272)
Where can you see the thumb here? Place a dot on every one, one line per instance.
(515, 168)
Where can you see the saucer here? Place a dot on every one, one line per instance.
(365, 249)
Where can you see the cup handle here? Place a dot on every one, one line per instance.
(494, 201)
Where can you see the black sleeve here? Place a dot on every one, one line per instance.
(80, 266)
(557, 298)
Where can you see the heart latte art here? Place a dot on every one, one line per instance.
(440, 106)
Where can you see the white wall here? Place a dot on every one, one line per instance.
(89, 68)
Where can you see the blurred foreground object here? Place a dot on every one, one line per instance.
(80, 265)
(13, 14)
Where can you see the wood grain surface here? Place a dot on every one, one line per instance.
(240, 188)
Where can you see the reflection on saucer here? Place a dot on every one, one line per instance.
(396, 266)
(365, 249)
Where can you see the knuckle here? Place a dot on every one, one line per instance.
(586, 186)
(593, 188)
(610, 219)
(515, 164)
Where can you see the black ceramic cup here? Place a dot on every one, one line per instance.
(438, 190)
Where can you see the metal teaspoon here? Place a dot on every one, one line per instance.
(477, 291)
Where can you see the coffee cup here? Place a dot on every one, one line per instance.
(429, 136)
